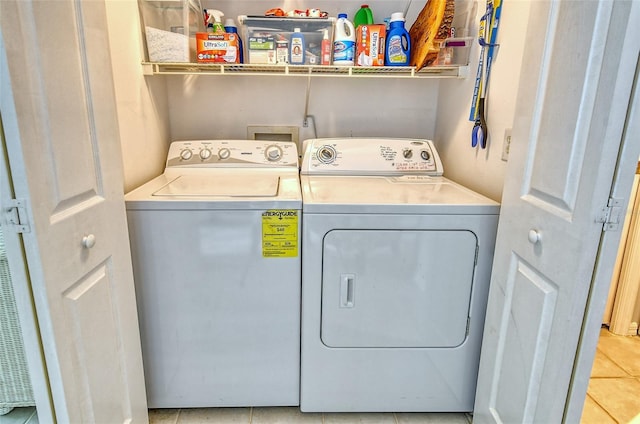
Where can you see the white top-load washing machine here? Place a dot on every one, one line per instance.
(395, 276)
(215, 244)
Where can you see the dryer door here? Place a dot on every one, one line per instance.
(397, 288)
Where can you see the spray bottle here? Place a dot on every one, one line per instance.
(214, 21)
(325, 48)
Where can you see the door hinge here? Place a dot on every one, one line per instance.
(16, 216)
(610, 215)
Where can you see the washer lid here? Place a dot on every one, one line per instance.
(218, 189)
(221, 185)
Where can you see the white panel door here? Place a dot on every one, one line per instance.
(573, 100)
(58, 110)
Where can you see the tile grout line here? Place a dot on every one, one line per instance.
(613, 337)
(603, 353)
(618, 362)
(601, 407)
(178, 416)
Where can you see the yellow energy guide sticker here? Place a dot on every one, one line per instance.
(280, 233)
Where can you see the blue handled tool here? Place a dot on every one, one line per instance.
(488, 30)
(479, 133)
(473, 114)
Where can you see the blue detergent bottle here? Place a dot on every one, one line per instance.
(297, 48)
(398, 48)
(230, 26)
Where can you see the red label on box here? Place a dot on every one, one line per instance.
(217, 48)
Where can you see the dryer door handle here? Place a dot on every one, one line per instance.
(347, 287)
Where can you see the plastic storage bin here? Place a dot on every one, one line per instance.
(454, 52)
(263, 36)
(170, 28)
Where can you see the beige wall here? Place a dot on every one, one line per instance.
(142, 102)
(483, 170)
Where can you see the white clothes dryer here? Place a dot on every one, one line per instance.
(395, 277)
(215, 244)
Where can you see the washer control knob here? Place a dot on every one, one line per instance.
(326, 154)
(224, 153)
(407, 153)
(186, 154)
(205, 154)
(273, 153)
(425, 155)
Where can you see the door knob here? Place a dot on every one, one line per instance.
(89, 241)
(534, 236)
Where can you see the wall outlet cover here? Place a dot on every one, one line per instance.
(506, 144)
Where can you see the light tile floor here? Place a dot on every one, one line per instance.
(614, 388)
(291, 415)
(613, 397)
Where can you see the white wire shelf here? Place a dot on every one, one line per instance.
(162, 68)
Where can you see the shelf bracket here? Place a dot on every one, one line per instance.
(147, 68)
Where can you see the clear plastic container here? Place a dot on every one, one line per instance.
(454, 52)
(170, 28)
(261, 36)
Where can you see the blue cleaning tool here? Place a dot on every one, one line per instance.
(488, 25)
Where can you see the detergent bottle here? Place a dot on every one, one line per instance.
(364, 16)
(344, 43)
(214, 21)
(398, 46)
(230, 27)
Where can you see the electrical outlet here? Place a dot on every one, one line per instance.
(506, 144)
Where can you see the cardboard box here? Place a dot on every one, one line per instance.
(282, 52)
(261, 50)
(279, 30)
(217, 48)
(370, 43)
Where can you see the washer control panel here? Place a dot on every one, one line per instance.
(232, 153)
(371, 156)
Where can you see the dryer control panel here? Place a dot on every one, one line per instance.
(371, 156)
(232, 154)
